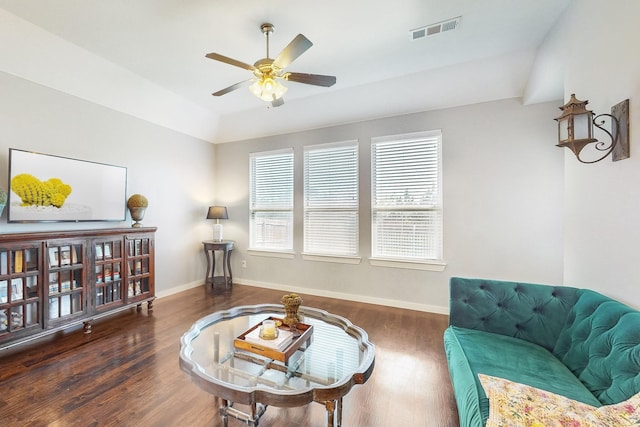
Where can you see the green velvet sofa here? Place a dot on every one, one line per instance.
(573, 342)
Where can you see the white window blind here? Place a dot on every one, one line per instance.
(331, 199)
(407, 197)
(271, 201)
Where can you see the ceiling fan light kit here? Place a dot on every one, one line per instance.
(267, 89)
(268, 72)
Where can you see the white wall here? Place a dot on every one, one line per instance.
(502, 202)
(602, 201)
(39, 56)
(174, 171)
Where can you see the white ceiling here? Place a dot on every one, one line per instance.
(366, 44)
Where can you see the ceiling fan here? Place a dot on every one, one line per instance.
(267, 72)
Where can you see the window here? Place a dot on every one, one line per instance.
(406, 197)
(271, 201)
(331, 199)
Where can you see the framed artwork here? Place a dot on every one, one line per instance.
(3, 290)
(53, 257)
(65, 255)
(44, 187)
(16, 289)
(3, 262)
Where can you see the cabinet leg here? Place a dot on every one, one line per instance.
(86, 326)
(150, 305)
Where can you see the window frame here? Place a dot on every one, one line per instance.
(387, 259)
(286, 172)
(324, 154)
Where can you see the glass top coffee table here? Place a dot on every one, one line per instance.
(336, 357)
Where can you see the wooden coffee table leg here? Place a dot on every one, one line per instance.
(331, 407)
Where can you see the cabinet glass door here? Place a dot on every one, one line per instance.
(19, 291)
(138, 266)
(108, 268)
(66, 290)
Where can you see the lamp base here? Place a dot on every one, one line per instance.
(217, 232)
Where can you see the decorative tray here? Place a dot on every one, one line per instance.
(301, 335)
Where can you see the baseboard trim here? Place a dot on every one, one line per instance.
(317, 292)
(179, 289)
(344, 296)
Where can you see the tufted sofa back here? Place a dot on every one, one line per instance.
(535, 313)
(601, 346)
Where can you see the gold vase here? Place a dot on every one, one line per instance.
(291, 304)
(137, 214)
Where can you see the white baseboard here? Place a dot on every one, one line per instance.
(177, 289)
(318, 292)
(345, 296)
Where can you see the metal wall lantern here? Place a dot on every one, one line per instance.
(575, 130)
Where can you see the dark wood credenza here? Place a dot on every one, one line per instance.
(53, 280)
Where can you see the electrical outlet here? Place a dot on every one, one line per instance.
(244, 264)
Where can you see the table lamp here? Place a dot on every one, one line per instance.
(217, 213)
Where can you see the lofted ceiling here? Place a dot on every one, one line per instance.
(121, 53)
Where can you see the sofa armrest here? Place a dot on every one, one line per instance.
(469, 397)
(535, 313)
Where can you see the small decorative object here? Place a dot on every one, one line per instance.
(3, 199)
(137, 205)
(280, 347)
(291, 304)
(217, 213)
(268, 330)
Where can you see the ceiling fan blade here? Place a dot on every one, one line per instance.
(311, 79)
(230, 88)
(277, 102)
(297, 47)
(230, 61)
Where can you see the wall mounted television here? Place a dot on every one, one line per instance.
(44, 187)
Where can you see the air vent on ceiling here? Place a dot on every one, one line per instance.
(437, 28)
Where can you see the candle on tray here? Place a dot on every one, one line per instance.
(269, 329)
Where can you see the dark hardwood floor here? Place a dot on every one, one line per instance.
(126, 372)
